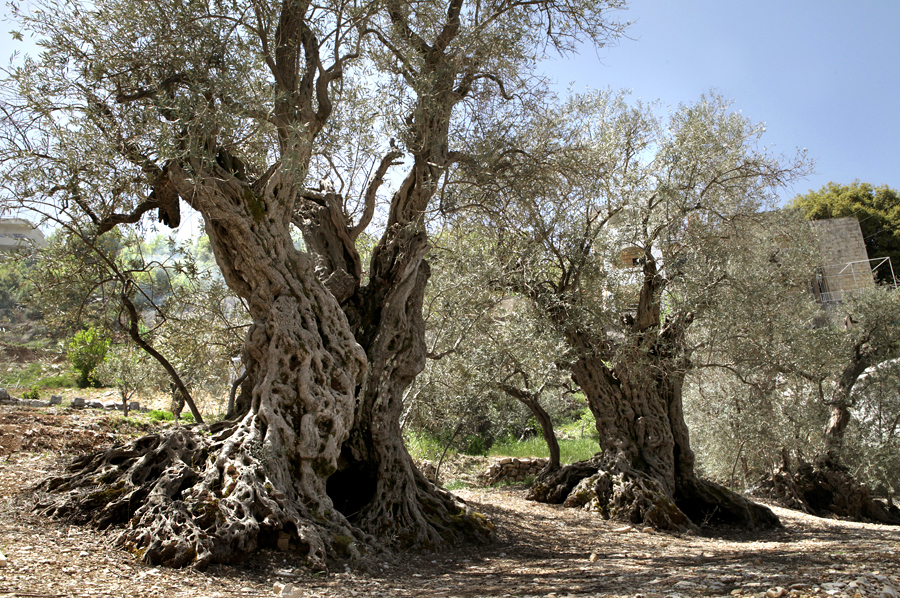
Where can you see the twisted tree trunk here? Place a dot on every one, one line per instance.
(189, 498)
(377, 486)
(645, 472)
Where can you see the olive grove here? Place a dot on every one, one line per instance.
(259, 117)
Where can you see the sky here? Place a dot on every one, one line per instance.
(823, 75)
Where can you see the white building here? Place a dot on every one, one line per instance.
(16, 233)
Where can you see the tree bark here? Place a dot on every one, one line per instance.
(377, 486)
(188, 498)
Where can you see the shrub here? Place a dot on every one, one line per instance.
(31, 394)
(86, 350)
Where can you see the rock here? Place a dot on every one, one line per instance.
(775, 592)
(94, 405)
(134, 405)
(593, 558)
(35, 403)
(78, 403)
(3, 561)
(286, 590)
(685, 585)
(4, 394)
(623, 530)
(284, 541)
(55, 400)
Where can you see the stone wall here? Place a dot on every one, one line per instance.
(509, 469)
(845, 265)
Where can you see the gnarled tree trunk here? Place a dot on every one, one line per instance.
(645, 472)
(189, 498)
(377, 486)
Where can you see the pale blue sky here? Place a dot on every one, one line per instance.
(822, 74)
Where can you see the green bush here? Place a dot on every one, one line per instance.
(31, 394)
(86, 350)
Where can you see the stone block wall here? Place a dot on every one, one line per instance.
(845, 265)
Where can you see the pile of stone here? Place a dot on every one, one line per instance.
(514, 470)
(77, 402)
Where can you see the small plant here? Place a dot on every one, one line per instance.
(32, 394)
(188, 417)
(87, 350)
(158, 415)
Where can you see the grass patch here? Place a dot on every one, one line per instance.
(159, 415)
(570, 449)
(36, 375)
(423, 446)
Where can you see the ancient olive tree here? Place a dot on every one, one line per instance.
(623, 237)
(231, 109)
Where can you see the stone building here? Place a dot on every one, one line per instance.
(845, 265)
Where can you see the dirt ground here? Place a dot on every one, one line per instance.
(541, 550)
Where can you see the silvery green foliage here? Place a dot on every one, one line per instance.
(577, 185)
(873, 437)
(478, 337)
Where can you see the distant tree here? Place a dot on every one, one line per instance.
(788, 390)
(624, 236)
(86, 351)
(876, 208)
(492, 368)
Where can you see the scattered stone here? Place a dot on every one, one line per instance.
(775, 592)
(134, 406)
(286, 590)
(688, 585)
(623, 530)
(78, 403)
(647, 530)
(509, 469)
(3, 561)
(4, 394)
(55, 400)
(593, 558)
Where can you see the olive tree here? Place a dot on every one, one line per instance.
(492, 366)
(622, 238)
(232, 109)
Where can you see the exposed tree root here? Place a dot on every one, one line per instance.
(825, 490)
(195, 496)
(624, 494)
